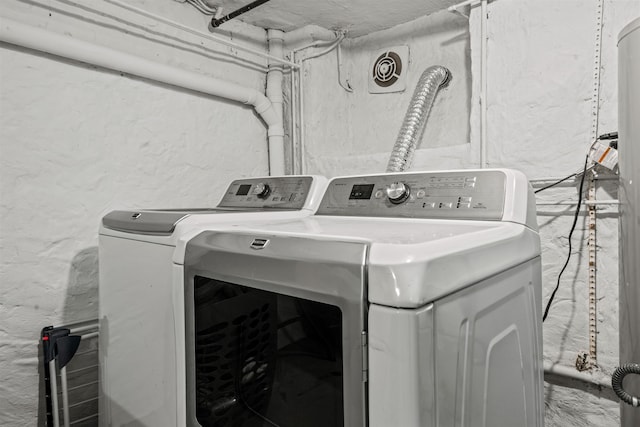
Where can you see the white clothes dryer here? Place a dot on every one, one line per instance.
(136, 291)
(408, 300)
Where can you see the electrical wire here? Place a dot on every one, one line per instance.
(560, 181)
(573, 227)
(556, 183)
(605, 136)
(332, 46)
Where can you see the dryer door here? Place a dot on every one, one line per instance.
(274, 328)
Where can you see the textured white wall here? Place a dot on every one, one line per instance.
(541, 81)
(77, 142)
(355, 131)
(540, 84)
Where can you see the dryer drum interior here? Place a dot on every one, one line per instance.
(262, 357)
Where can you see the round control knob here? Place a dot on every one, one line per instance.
(262, 190)
(398, 192)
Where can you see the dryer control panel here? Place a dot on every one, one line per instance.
(283, 192)
(476, 194)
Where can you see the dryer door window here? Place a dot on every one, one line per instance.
(262, 359)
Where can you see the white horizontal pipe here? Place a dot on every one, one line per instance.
(585, 202)
(462, 4)
(566, 372)
(540, 182)
(68, 47)
(221, 40)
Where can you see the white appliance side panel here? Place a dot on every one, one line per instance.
(488, 352)
(137, 346)
(401, 376)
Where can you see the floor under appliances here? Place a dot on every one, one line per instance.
(409, 300)
(137, 316)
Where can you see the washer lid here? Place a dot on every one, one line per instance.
(163, 222)
(143, 222)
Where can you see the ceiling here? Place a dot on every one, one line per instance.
(358, 17)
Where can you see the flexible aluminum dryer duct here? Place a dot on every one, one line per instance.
(432, 79)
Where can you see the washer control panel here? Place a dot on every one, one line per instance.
(268, 192)
(477, 194)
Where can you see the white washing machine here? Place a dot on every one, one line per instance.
(137, 318)
(408, 300)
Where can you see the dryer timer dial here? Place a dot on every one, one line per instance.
(262, 190)
(398, 192)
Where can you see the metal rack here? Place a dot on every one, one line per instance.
(71, 374)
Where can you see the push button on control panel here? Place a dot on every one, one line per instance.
(464, 202)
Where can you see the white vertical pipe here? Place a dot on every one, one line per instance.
(301, 143)
(301, 146)
(67, 47)
(53, 375)
(293, 106)
(317, 38)
(483, 84)
(274, 94)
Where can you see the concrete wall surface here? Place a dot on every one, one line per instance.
(77, 142)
